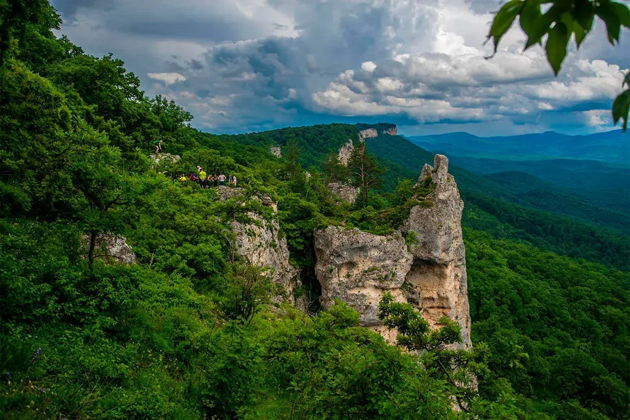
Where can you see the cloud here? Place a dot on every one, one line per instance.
(436, 87)
(597, 117)
(168, 78)
(241, 65)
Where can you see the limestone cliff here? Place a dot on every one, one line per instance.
(261, 244)
(376, 130)
(368, 133)
(359, 267)
(276, 151)
(438, 272)
(345, 152)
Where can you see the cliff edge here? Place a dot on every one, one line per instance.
(429, 272)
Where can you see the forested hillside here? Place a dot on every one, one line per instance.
(191, 331)
(611, 146)
(495, 206)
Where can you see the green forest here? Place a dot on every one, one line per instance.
(190, 331)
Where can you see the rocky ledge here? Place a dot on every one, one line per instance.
(261, 244)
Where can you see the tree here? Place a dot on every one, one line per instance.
(561, 20)
(334, 170)
(293, 153)
(433, 346)
(247, 289)
(17, 15)
(365, 172)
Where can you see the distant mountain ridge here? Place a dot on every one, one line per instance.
(612, 146)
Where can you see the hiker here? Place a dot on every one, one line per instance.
(221, 179)
(234, 180)
(183, 179)
(203, 178)
(193, 177)
(158, 146)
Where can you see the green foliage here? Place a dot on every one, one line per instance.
(557, 328)
(335, 171)
(365, 172)
(621, 105)
(190, 331)
(448, 364)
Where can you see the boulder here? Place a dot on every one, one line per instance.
(110, 248)
(344, 192)
(359, 267)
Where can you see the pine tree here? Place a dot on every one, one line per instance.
(334, 170)
(365, 172)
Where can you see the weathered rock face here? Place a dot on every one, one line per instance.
(368, 133)
(276, 151)
(359, 267)
(344, 192)
(439, 265)
(391, 131)
(111, 248)
(164, 158)
(345, 152)
(261, 244)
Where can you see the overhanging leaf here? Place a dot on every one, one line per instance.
(503, 20)
(620, 108)
(556, 46)
(623, 13)
(608, 13)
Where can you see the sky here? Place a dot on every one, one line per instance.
(253, 65)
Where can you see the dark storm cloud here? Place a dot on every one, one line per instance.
(239, 65)
(69, 8)
(206, 30)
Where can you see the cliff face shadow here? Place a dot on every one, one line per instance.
(425, 286)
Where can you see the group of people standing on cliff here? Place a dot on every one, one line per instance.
(206, 181)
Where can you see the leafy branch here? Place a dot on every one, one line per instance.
(562, 20)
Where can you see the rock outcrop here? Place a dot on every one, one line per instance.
(368, 133)
(378, 129)
(162, 158)
(430, 273)
(345, 152)
(111, 248)
(260, 243)
(359, 267)
(344, 192)
(276, 151)
(393, 131)
(439, 264)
